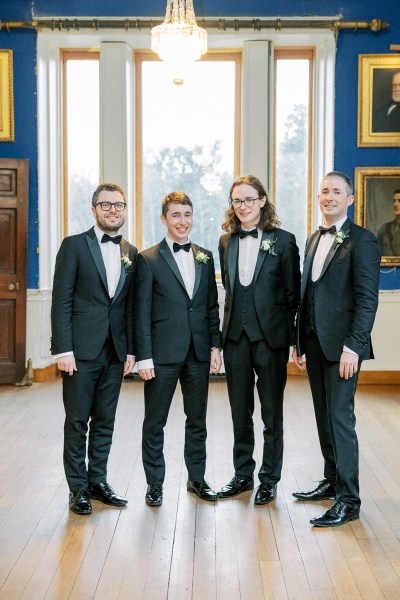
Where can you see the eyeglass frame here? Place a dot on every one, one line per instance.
(112, 204)
(239, 203)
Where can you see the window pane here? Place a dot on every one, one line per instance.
(292, 143)
(82, 97)
(188, 145)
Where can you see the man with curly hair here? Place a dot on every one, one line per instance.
(260, 269)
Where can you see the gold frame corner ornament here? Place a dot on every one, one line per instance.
(6, 96)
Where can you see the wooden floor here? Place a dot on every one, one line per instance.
(188, 549)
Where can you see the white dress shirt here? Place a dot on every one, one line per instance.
(249, 248)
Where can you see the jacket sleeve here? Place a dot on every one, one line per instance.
(213, 307)
(143, 309)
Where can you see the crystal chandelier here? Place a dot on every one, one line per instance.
(179, 41)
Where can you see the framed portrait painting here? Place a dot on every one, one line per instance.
(379, 100)
(377, 207)
(6, 96)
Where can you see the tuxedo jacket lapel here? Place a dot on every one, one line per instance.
(266, 235)
(335, 246)
(312, 247)
(232, 258)
(124, 249)
(166, 253)
(97, 257)
(197, 270)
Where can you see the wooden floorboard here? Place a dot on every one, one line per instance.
(188, 549)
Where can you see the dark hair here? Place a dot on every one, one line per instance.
(396, 191)
(343, 176)
(177, 198)
(268, 216)
(108, 187)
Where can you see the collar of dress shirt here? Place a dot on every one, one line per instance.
(338, 224)
(99, 234)
(170, 243)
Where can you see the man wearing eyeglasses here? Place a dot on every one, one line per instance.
(260, 268)
(92, 343)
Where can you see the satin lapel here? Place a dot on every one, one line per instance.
(197, 269)
(171, 262)
(97, 257)
(233, 251)
(266, 235)
(313, 243)
(124, 249)
(334, 248)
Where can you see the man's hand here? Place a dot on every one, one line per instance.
(129, 364)
(298, 360)
(146, 373)
(216, 361)
(67, 364)
(348, 365)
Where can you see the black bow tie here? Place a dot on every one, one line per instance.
(324, 230)
(185, 247)
(107, 238)
(253, 233)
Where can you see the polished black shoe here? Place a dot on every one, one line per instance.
(324, 491)
(105, 493)
(79, 502)
(266, 492)
(154, 495)
(236, 486)
(338, 514)
(202, 490)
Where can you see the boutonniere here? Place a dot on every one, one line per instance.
(340, 236)
(268, 246)
(125, 261)
(202, 257)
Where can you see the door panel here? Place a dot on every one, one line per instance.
(13, 250)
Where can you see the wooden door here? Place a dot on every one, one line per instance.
(13, 251)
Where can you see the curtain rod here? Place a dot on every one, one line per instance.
(219, 24)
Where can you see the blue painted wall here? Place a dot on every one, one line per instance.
(350, 45)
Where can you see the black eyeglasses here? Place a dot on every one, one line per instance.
(119, 206)
(236, 203)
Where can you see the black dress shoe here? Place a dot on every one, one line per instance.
(154, 495)
(202, 490)
(324, 491)
(266, 492)
(105, 493)
(338, 514)
(236, 486)
(79, 502)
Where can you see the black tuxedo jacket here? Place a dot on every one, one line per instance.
(166, 319)
(82, 312)
(276, 285)
(346, 295)
(381, 121)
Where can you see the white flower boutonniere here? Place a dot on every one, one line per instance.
(202, 257)
(340, 236)
(268, 246)
(125, 261)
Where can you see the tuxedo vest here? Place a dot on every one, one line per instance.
(244, 315)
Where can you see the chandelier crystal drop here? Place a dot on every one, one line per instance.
(179, 41)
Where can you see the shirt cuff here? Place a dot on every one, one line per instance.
(57, 356)
(145, 364)
(346, 349)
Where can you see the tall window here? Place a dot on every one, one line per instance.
(81, 137)
(293, 139)
(188, 139)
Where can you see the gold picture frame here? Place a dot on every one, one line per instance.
(378, 125)
(373, 208)
(6, 96)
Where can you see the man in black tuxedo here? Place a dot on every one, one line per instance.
(177, 338)
(339, 299)
(386, 118)
(261, 275)
(92, 342)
